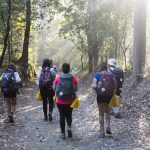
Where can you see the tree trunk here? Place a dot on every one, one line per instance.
(102, 58)
(116, 35)
(25, 54)
(9, 50)
(42, 28)
(92, 36)
(90, 56)
(139, 48)
(6, 38)
(82, 63)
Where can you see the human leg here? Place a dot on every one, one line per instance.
(107, 118)
(69, 120)
(13, 104)
(50, 95)
(101, 118)
(8, 102)
(43, 94)
(62, 112)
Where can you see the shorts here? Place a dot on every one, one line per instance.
(13, 94)
(105, 99)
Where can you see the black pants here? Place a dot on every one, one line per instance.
(47, 95)
(65, 112)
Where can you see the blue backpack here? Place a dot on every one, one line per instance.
(9, 84)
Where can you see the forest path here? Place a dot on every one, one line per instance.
(31, 132)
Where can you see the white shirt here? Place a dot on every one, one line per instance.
(17, 77)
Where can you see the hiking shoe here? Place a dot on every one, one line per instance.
(108, 131)
(69, 134)
(118, 115)
(11, 119)
(45, 118)
(62, 136)
(102, 135)
(50, 117)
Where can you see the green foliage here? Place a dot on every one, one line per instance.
(112, 29)
(112, 25)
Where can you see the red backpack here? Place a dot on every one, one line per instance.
(105, 86)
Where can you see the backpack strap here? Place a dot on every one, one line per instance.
(10, 71)
(112, 71)
(63, 75)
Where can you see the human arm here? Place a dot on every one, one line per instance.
(75, 82)
(95, 80)
(17, 77)
(56, 82)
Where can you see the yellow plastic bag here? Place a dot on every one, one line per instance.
(38, 96)
(114, 102)
(54, 98)
(76, 103)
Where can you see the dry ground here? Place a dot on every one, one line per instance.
(31, 132)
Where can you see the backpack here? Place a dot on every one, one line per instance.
(105, 86)
(65, 89)
(9, 84)
(119, 77)
(46, 78)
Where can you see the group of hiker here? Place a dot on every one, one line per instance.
(107, 82)
(64, 86)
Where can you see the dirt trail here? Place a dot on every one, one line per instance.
(31, 132)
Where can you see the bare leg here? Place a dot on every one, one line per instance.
(13, 104)
(107, 117)
(101, 118)
(8, 105)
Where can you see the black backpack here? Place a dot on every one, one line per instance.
(65, 89)
(9, 84)
(105, 86)
(119, 77)
(46, 78)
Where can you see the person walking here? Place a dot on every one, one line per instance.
(119, 79)
(103, 84)
(66, 86)
(45, 82)
(9, 87)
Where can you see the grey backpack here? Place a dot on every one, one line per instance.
(65, 90)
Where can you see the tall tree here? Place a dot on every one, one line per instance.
(25, 53)
(92, 35)
(139, 48)
(7, 30)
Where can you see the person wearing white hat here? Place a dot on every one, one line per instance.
(119, 77)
